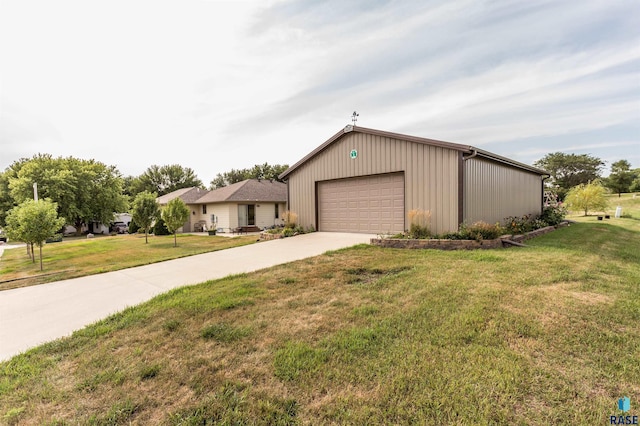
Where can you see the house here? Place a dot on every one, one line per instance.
(189, 196)
(250, 203)
(367, 180)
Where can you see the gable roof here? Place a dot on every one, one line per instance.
(465, 149)
(188, 195)
(248, 190)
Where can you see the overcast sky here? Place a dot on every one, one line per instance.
(215, 85)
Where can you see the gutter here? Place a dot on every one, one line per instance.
(474, 154)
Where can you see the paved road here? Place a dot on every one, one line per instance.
(33, 315)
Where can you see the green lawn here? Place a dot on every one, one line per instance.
(79, 257)
(547, 334)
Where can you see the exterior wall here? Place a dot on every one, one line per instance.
(194, 218)
(227, 215)
(222, 213)
(431, 175)
(265, 215)
(493, 191)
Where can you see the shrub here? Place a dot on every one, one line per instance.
(288, 232)
(160, 228)
(479, 231)
(420, 223)
(552, 215)
(290, 219)
(133, 227)
(519, 224)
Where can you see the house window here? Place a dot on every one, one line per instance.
(204, 209)
(277, 211)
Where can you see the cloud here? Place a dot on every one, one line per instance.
(230, 84)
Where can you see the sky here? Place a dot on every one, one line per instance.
(216, 85)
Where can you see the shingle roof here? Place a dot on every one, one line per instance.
(188, 195)
(247, 190)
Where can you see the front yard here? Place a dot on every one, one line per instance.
(546, 334)
(79, 257)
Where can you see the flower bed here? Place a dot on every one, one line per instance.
(442, 244)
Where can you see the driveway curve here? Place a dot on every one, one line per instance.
(34, 315)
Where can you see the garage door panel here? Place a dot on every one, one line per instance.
(369, 204)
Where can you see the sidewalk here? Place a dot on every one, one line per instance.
(33, 315)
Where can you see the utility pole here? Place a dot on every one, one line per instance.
(35, 191)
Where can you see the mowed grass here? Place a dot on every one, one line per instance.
(80, 257)
(547, 334)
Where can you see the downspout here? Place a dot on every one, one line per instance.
(474, 152)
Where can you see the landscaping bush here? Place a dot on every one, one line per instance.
(420, 223)
(160, 228)
(290, 219)
(479, 231)
(519, 224)
(133, 227)
(552, 215)
(288, 232)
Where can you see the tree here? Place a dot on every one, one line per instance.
(259, 171)
(84, 190)
(33, 222)
(621, 177)
(591, 196)
(165, 179)
(635, 185)
(6, 200)
(569, 170)
(175, 214)
(145, 211)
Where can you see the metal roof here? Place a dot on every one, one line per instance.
(465, 149)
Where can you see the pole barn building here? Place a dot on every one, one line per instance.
(366, 180)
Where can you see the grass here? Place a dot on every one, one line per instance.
(546, 334)
(80, 257)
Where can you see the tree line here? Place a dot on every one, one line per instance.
(78, 192)
(570, 170)
(87, 191)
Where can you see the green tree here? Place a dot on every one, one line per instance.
(259, 171)
(175, 214)
(33, 222)
(145, 211)
(569, 170)
(6, 200)
(635, 185)
(591, 196)
(621, 177)
(163, 180)
(84, 190)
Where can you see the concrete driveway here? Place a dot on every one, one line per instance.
(33, 315)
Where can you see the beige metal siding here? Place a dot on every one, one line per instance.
(494, 191)
(371, 204)
(431, 175)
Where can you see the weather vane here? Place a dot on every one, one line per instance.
(354, 117)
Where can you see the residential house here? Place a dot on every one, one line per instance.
(256, 203)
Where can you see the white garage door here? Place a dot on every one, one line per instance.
(372, 204)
